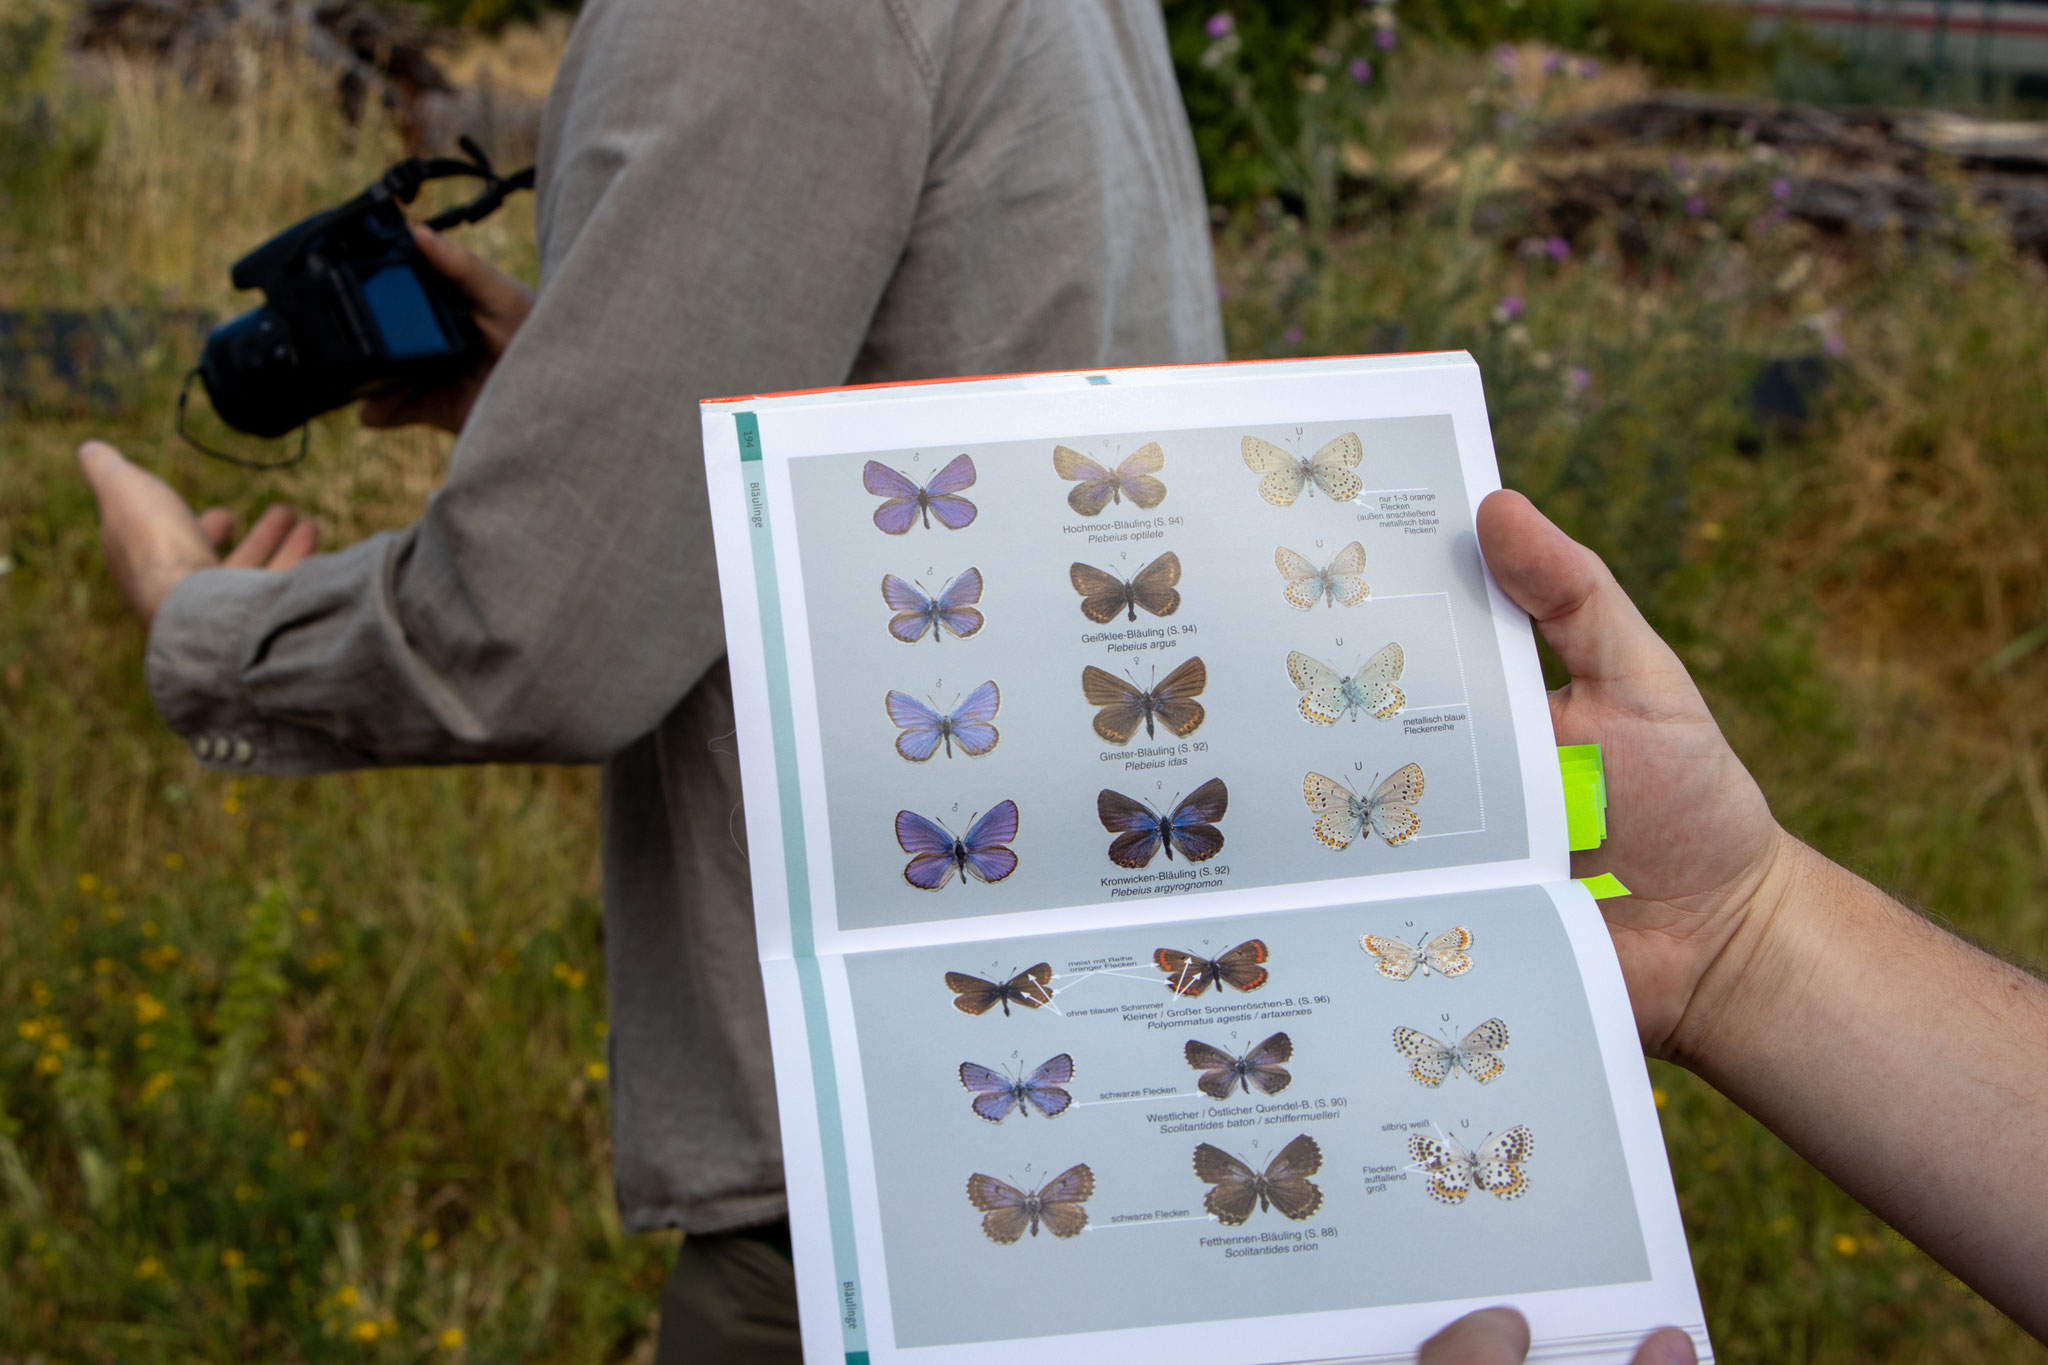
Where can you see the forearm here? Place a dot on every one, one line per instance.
(1900, 1061)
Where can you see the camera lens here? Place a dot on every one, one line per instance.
(251, 372)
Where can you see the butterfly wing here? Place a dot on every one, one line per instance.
(900, 511)
(1239, 968)
(955, 606)
(1135, 476)
(1430, 1058)
(958, 474)
(971, 720)
(1103, 595)
(1343, 578)
(1497, 1165)
(1304, 580)
(1153, 588)
(972, 995)
(1263, 1064)
(1331, 467)
(1322, 688)
(1287, 1178)
(1186, 973)
(1042, 1087)
(932, 867)
(1218, 1068)
(1192, 826)
(1446, 953)
(999, 1094)
(1173, 698)
(987, 859)
(1392, 805)
(913, 609)
(1478, 1051)
(1448, 1166)
(1393, 957)
(922, 727)
(1031, 987)
(1236, 1193)
(1122, 704)
(1003, 1215)
(1373, 684)
(1060, 1200)
(1096, 483)
(1283, 474)
(1135, 825)
(1340, 815)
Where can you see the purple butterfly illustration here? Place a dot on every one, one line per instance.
(924, 728)
(1141, 831)
(937, 854)
(906, 501)
(916, 612)
(1000, 1093)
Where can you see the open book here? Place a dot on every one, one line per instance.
(1161, 872)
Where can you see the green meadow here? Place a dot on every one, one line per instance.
(315, 1070)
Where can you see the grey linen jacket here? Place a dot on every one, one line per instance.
(735, 196)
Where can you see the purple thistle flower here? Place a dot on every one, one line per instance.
(1220, 24)
(1361, 71)
(1556, 248)
(1695, 207)
(1577, 379)
(1781, 190)
(1585, 68)
(1552, 63)
(1509, 308)
(1383, 39)
(1831, 342)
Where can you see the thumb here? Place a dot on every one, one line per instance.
(488, 288)
(1491, 1336)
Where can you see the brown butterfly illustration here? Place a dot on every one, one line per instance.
(1030, 988)
(1284, 1184)
(1125, 705)
(1103, 594)
(1222, 1073)
(1190, 975)
(1100, 486)
(1007, 1211)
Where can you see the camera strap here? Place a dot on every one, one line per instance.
(185, 392)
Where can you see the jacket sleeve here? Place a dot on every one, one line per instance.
(726, 189)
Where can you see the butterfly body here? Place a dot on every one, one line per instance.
(1141, 831)
(1339, 583)
(1284, 475)
(1098, 486)
(1328, 696)
(1125, 706)
(925, 728)
(1260, 1068)
(998, 1094)
(1445, 954)
(1342, 815)
(1239, 969)
(1104, 595)
(1029, 989)
(951, 611)
(1432, 1059)
(1495, 1165)
(937, 854)
(1240, 1191)
(1007, 1211)
(906, 501)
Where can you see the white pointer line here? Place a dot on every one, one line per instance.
(1178, 1095)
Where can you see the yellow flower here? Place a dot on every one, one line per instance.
(1844, 1244)
(280, 1086)
(451, 1338)
(364, 1330)
(148, 1268)
(594, 1070)
(174, 861)
(148, 1009)
(307, 915)
(133, 1165)
(244, 1192)
(88, 883)
(600, 1028)
(49, 1064)
(38, 993)
(1657, 1094)
(31, 1029)
(231, 1258)
(155, 1086)
(101, 966)
(231, 805)
(57, 1042)
(346, 1296)
(149, 928)
(429, 1240)
(297, 1138)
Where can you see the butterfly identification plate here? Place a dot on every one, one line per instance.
(1155, 831)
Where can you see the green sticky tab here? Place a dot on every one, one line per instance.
(750, 436)
(1606, 886)
(856, 1358)
(1585, 794)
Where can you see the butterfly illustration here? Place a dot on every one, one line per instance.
(1222, 1073)
(1284, 1184)
(1141, 831)
(1029, 988)
(924, 729)
(938, 855)
(1098, 486)
(1445, 954)
(1327, 695)
(1103, 595)
(1285, 474)
(1190, 975)
(1495, 1165)
(1342, 815)
(1433, 1059)
(1125, 705)
(906, 501)
(1340, 583)
(1006, 1210)
(916, 613)
(1000, 1093)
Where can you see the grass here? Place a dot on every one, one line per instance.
(314, 1070)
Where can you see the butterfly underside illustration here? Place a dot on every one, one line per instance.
(1284, 1184)
(1125, 705)
(1260, 1068)
(997, 1093)
(951, 612)
(1097, 487)
(1340, 583)
(1446, 954)
(937, 855)
(1189, 828)
(1495, 1165)
(1006, 1211)
(1104, 596)
(1238, 969)
(1431, 1059)
(1327, 695)
(906, 501)
(1342, 815)
(1029, 989)
(924, 728)
(1284, 475)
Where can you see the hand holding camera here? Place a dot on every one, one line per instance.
(498, 305)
